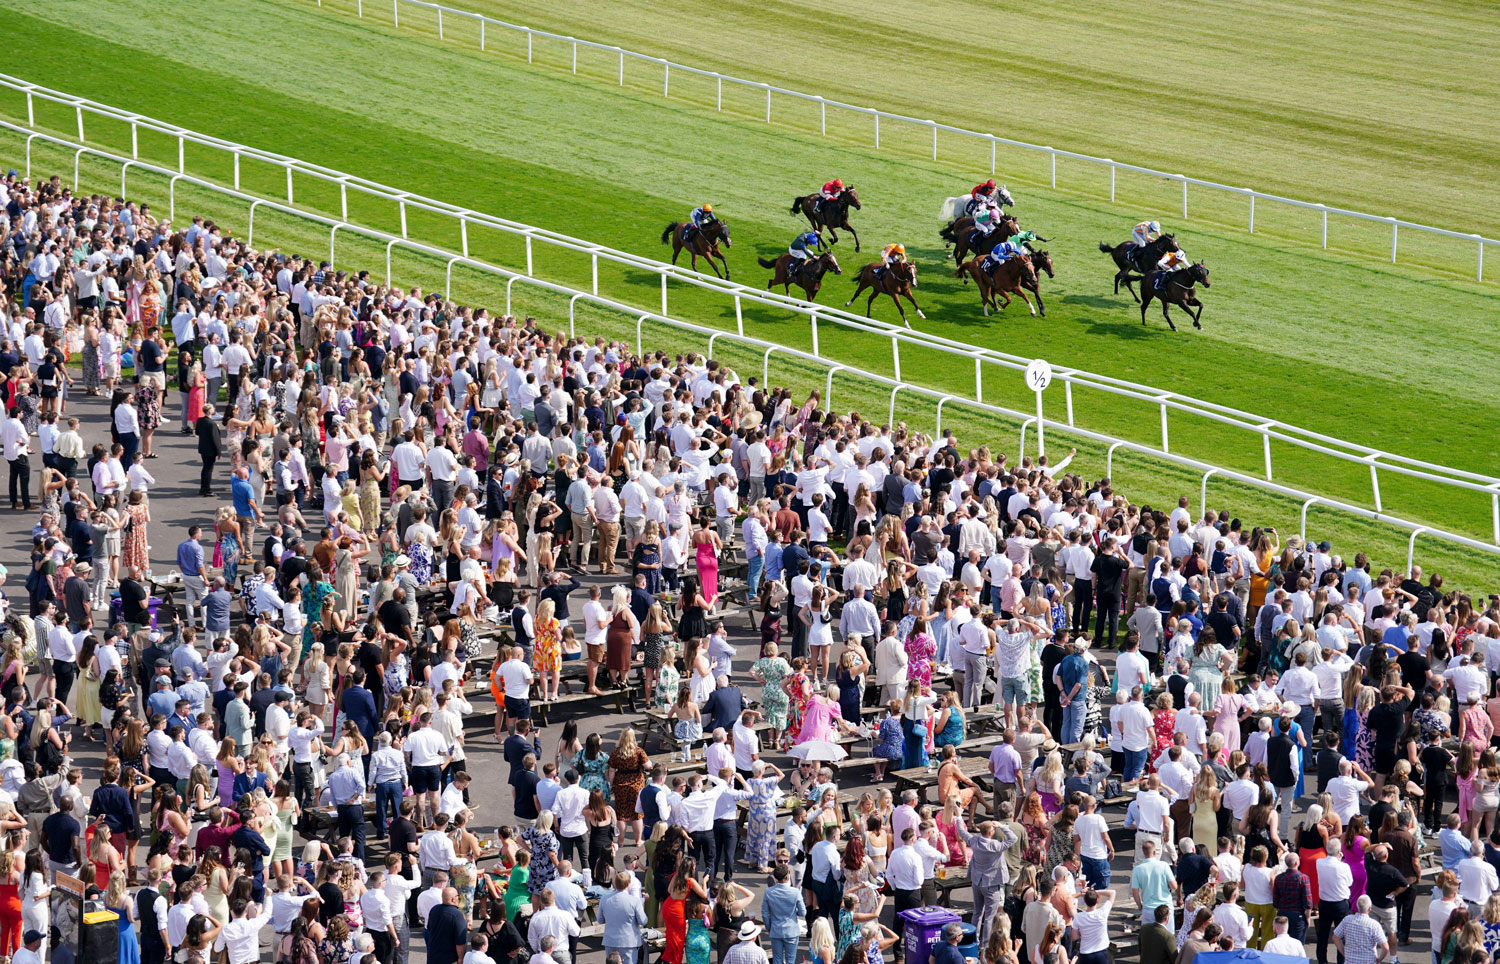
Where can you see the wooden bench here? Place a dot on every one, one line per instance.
(539, 708)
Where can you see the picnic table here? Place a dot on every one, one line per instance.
(949, 879)
(921, 778)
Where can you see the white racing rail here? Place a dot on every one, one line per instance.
(877, 115)
(1267, 429)
(641, 318)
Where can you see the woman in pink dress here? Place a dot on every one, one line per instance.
(822, 719)
(1355, 842)
(707, 542)
(1230, 709)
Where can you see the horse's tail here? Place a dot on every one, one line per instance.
(1106, 248)
(797, 205)
(666, 235)
(765, 263)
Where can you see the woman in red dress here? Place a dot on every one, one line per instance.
(1164, 723)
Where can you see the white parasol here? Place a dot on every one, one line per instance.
(818, 750)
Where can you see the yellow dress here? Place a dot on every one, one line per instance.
(352, 510)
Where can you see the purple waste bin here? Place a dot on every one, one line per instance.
(924, 928)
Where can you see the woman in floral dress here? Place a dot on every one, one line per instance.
(770, 671)
(148, 408)
(798, 689)
(1163, 724)
(546, 652)
(542, 843)
(761, 842)
(134, 549)
(313, 599)
(919, 652)
(591, 762)
(667, 678)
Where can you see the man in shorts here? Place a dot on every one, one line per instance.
(427, 753)
(515, 682)
(1012, 663)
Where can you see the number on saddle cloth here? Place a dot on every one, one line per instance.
(687, 232)
(1160, 284)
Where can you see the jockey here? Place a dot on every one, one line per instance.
(1021, 240)
(701, 216)
(893, 254)
(1144, 233)
(984, 192)
(802, 248)
(1174, 261)
(985, 219)
(1003, 252)
(832, 189)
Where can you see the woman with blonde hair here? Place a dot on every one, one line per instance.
(620, 637)
(316, 677)
(546, 656)
(628, 765)
(656, 639)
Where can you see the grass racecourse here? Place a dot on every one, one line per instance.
(1376, 107)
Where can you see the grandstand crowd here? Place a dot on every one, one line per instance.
(1152, 733)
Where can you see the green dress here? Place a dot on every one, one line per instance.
(773, 700)
(517, 893)
(667, 680)
(591, 772)
(699, 943)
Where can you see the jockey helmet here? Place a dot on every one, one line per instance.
(900, 249)
(838, 183)
(1154, 227)
(708, 209)
(990, 184)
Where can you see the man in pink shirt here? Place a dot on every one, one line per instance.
(477, 445)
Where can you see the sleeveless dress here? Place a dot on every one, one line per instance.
(217, 900)
(617, 640)
(708, 570)
(283, 848)
(129, 946)
(1355, 857)
(699, 940)
(952, 733)
(1310, 850)
(760, 824)
(693, 624)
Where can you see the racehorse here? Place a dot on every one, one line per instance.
(1143, 259)
(1176, 288)
(809, 277)
(961, 231)
(897, 280)
(830, 214)
(704, 243)
(1041, 261)
(956, 207)
(1008, 278)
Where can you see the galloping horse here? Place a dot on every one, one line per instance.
(1142, 260)
(897, 280)
(703, 244)
(1176, 288)
(1009, 278)
(830, 214)
(1040, 261)
(959, 233)
(956, 207)
(809, 278)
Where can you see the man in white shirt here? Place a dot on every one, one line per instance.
(596, 620)
(515, 677)
(1231, 917)
(435, 851)
(572, 828)
(1334, 882)
(1346, 789)
(241, 936)
(432, 896)
(1154, 820)
(890, 665)
(1242, 794)
(1477, 879)
(17, 444)
(1131, 668)
(1284, 943)
(376, 909)
(552, 921)
(1095, 848)
(746, 746)
(1132, 724)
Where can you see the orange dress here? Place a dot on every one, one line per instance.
(546, 651)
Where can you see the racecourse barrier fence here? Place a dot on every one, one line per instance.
(1267, 429)
(640, 317)
(877, 115)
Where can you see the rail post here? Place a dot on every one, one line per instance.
(594, 272)
(934, 139)
(481, 33)
(29, 139)
(828, 393)
(1495, 512)
(30, 111)
(572, 309)
(79, 109)
(739, 316)
(666, 78)
(638, 323)
(1109, 459)
(332, 237)
(236, 162)
(440, 22)
(1325, 225)
(135, 151)
(389, 278)
(896, 357)
(463, 236)
(1053, 154)
(1164, 446)
(575, 55)
(448, 291)
(1395, 229)
(1479, 271)
(1265, 439)
(1068, 399)
(1411, 545)
(289, 184)
(892, 416)
(768, 104)
(765, 366)
(181, 155)
(1252, 214)
(77, 163)
(395, 13)
(344, 201)
(664, 292)
(1203, 492)
(877, 132)
(1021, 452)
(937, 428)
(719, 95)
(1112, 170)
(1302, 524)
(711, 339)
(172, 197)
(812, 316)
(822, 117)
(992, 157)
(528, 46)
(123, 168)
(978, 380)
(250, 232)
(1184, 196)
(528, 256)
(1375, 482)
